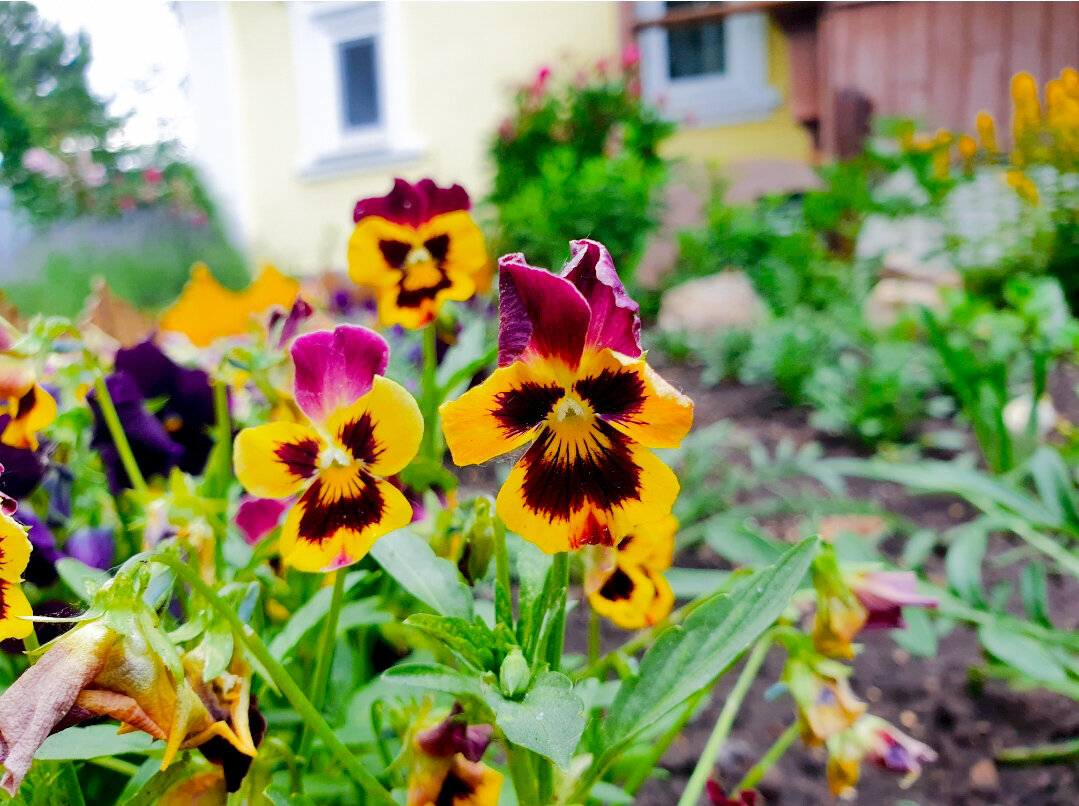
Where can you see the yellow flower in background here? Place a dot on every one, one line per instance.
(987, 131)
(206, 310)
(363, 428)
(1023, 186)
(14, 555)
(627, 584)
(417, 247)
(25, 407)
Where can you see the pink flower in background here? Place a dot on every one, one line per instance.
(257, 517)
(91, 173)
(540, 83)
(40, 161)
(153, 175)
(631, 56)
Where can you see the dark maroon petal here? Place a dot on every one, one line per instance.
(41, 569)
(540, 313)
(403, 205)
(359, 437)
(613, 395)
(363, 507)
(618, 587)
(23, 469)
(442, 200)
(524, 407)
(558, 482)
(615, 322)
(301, 458)
(257, 517)
(286, 326)
(454, 735)
(235, 764)
(335, 369)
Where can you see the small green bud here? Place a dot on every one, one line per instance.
(514, 675)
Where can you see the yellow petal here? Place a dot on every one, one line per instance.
(15, 549)
(382, 429)
(14, 611)
(276, 460)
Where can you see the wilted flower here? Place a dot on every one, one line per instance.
(207, 311)
(109, 666)
(627, 584)
(572, 381)
(27, 406)
(884, 594)
(364, 427)
(825, 702)
(416, 247)
(874, 739)
(446, 765)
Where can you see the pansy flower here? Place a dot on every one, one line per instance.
(884, 594)
(572, 381)
(14, 556)
(875, 740)
(747, 797)
(28, 408)
(416, 247)
(447, 770)
(363, 428)
(627, 584)
(824, 699)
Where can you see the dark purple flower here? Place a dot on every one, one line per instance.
(23, 467)
(92, 547)
(718, 798)
(284, 327)
(454, 735)
(884, 594)
(155, 453)
(41, 570)
(188, 410)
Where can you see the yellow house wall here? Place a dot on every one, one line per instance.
(463, 61)
(778, 137)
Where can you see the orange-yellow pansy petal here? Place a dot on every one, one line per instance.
(561, 506)
(276, 460)
(630, 395)
(14, 549)
(467, 253)
(499, 415)
(14, 611)
(382, 429)
(31, 413)
(16, 378)
(339, 518)
(650, 544)
(367, 261)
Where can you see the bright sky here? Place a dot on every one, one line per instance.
(139, 61)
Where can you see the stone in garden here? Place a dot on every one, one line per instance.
(867, 526)
(724, 301)
(984, 776)
(752, 179)
(907, 283)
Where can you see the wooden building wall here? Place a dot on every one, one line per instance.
(936, 62)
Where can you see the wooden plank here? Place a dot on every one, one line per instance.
(949, 41)
(1063, 37)
(989, 46)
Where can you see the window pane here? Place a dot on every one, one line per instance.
(359, 81)
(695, 51)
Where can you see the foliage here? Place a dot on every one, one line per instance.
(576, 159)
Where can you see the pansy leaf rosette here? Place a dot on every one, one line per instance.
(416, 247)
(363, 428)
(573, 382)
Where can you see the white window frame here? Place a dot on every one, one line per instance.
(740, 94)
(328, 147)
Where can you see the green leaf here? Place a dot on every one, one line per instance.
(310, 614)
(472, 642)
(83, 580)
(361, 613)
(1021, 653)
(152, 791)
(739, 544)
(94, 741)
(431, 579)
(549, 720)
(435, 677)
(1035, 595)
(1054, 484)
(533, 571)
(689, 658)
(695, 583)
(963, 563)
(606, 792)
(920, 636)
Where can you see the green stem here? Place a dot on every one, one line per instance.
(503, 586)
(705, 764)
(522, 774)
(1039, 753)
(557, 636)
(116, 431)
(430, 392)
(645, 768)
(325, 655)
(377, 794)
(594, 639)
(115, 764)
(30, 644)
(768, 760)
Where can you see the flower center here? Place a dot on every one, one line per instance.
(570, 410)
(333, 456)
(418, 254)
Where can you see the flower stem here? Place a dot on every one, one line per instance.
(768, 760)
(430, 392)
(523, 775)
(556, 638)
(1039, 753)
(503, 586)
(376, 793)
(594, 639)
(692, 793)
(325, 655)
(645, 768)
(116, 431)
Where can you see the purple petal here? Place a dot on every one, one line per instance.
(257, 517)
(454, 735)
(288, 325)
(403, 205)
(23, 468)
(615, 322)
(335, 369)
(539, 313)
(41, 569)
(92, 547)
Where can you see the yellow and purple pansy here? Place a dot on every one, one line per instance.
(627, 584)
(573, 382)
(363, 428)
(416, 247)
(25, 407)
(14, 556)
